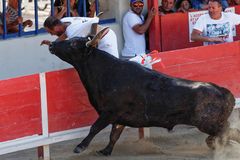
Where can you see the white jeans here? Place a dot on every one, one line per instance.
(109, 44)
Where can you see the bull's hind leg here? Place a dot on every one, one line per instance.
(217, 134)
(223, 136)
(114, 136)
(233, 134)
(222, 140)
(215, 141)
(99, 124)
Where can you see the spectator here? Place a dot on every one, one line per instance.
(70, 27)
(203, 4)
(10, 26)
(216, 26)
(60, 8)
(1, 23)
(134, 28)
(166, 7)
(233, 2)
(90, 8)
(184, 6)
(12, 18)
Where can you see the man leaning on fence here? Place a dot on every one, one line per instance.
(70, 27)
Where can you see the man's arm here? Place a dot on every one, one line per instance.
(196, 36)
(142, 28)
(60, 38)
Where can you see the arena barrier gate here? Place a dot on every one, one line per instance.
(41, 109)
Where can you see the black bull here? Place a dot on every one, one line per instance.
(126, 94)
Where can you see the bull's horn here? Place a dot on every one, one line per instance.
(99, 14)
(94, 42)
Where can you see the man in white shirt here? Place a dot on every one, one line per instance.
(70, 27)
(134, 28)
(216, 26)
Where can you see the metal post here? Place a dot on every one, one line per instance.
(20, 28)
(84, 8)
(52, 8)
(68, 8)
(36, 15)
(4, 20)
(155, 28)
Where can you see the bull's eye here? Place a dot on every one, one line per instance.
(74, 44)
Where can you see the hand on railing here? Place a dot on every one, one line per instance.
(152, 12)
(28, 23)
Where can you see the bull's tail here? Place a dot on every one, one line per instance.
(230, 100)
(227, 97)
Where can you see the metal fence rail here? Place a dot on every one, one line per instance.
(41, 5)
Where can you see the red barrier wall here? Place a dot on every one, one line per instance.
(68, 105)
(20, 107)
(217, 63)
(175, 32)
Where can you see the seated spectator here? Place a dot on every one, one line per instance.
(91, 9)
(233, 2)
(166, 7)
(12, 18)
(203, 4)
(60, 8)
(10, 26)
(184, 6)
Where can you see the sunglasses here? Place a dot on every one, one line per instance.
(138, 4)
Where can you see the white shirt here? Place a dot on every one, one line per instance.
(222, 27)
(135, 43)
(81, 27)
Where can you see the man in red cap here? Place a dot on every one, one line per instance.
(134, 28)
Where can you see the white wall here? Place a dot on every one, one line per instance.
(24, 56)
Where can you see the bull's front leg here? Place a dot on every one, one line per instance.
(114, 136)
(102, 121)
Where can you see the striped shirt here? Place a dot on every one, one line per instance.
(13, 14)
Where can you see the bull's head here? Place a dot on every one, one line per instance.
(76, 48)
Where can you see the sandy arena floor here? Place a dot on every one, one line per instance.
(183, 143)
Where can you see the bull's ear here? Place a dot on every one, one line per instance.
(94, 42)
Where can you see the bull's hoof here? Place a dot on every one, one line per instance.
(216, 142)
(104, 152)
(210, 141)
(79, 149)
